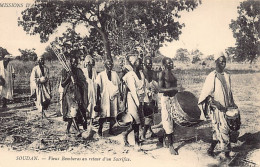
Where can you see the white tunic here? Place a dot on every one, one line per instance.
(136, 94)
(92, 90)
(109, 91)
(222, 93)
(42, 90)
(6, 91)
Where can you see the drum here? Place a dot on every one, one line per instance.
(124, 119)
(185, 111)
(232, 117)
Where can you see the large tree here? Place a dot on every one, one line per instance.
(110, 21)
(246, 30)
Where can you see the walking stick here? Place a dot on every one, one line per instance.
(13, 77)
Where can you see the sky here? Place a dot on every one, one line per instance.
(206, 28)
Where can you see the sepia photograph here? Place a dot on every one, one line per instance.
(120, 83)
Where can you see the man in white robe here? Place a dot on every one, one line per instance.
(108, 86)
(90, 75)
(7, 74)
(40, 86)
(216, 96)
(134, 98)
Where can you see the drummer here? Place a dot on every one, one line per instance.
(216, 96)
(168, 88)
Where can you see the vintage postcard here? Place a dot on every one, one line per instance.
(129, 83)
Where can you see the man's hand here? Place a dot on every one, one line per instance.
(216, 104)
(122, 106)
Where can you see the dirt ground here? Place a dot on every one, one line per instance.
(23, 134)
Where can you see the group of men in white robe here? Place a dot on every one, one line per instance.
(104, 92)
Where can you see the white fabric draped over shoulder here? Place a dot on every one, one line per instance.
(136, 94)
(6, 91)
(109, 91)
(214, 88)
(42, 91)
(218, 86)
(92, 90)
(135, 85)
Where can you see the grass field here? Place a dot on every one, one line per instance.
(22, 129)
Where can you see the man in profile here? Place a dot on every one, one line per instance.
(6, 75)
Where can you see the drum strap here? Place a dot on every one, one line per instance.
(214, 82)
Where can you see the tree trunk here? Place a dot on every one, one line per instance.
(106, 45)
(105, 41)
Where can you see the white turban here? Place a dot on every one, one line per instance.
(128, 67)
(39, 57)
(133, 59)
(218, 55)
(88, 59)
(8, 56)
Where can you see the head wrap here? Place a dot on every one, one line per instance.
(106, 60)
(218, 55)
(39, 57)
(128, 67)
(7, 56)
(133, 59)
(147, 58)
(88, 59)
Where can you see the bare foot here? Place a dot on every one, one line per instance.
(153, 135)
(173, 151)
(78, 134)
(127, 144)
(137, 147)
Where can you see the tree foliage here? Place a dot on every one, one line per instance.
(49, 55)
(196, 56)
(246, 30)
(182, 55)
(27, 55)
(210, 58)
(116, 27)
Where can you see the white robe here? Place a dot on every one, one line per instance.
(109, 91)
(223, 94)
(136, 94)
(42, 90)
(6, 91)
(92, 91)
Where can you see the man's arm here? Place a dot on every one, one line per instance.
(66, 78)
